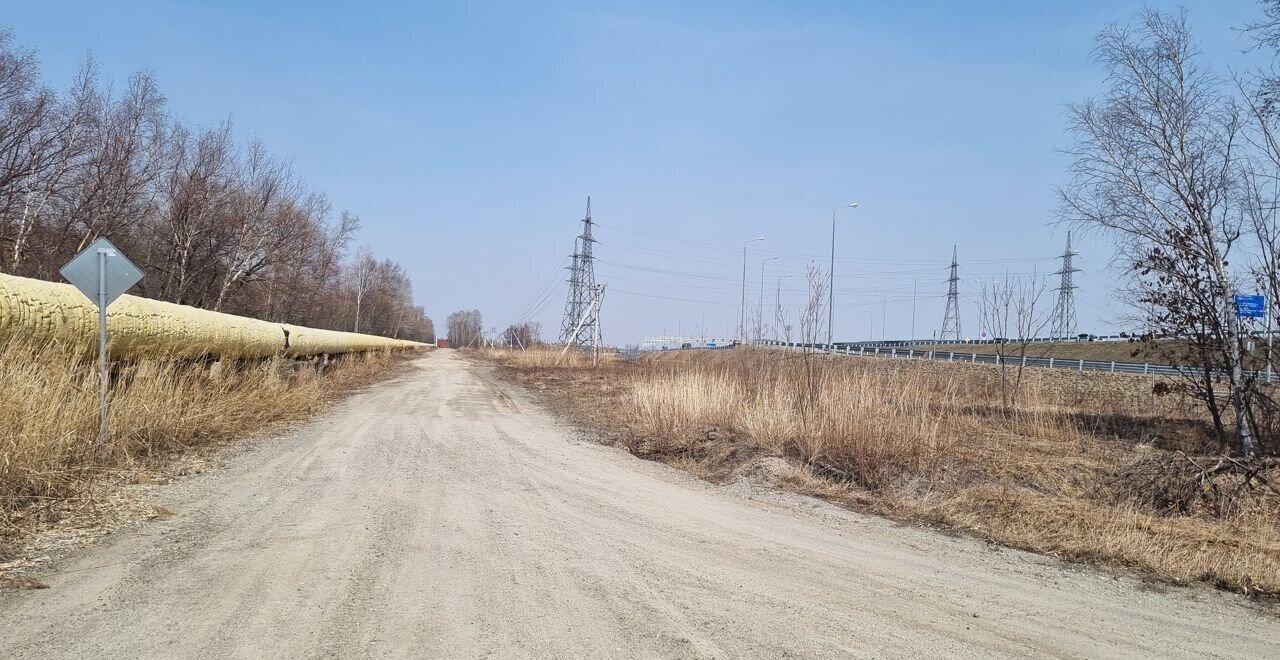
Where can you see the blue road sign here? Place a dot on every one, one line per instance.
(1253, 306)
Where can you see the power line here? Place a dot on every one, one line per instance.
(541, 296)
(797, 255)
(660, 297)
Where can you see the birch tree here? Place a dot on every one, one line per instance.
(1155, 168)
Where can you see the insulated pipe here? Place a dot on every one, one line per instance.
(140, 327)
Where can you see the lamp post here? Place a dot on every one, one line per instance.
(742, 311)
(760, 321)
(831, 286)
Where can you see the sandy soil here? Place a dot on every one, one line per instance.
(445, 515)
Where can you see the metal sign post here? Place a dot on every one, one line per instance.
(1270, 333)
(104, 374)
(102, 274)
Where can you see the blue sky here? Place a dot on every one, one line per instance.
(468, 135)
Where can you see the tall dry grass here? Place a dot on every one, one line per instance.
(49, 413)
(544, 356)
(875, 427)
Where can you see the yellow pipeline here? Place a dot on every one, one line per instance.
(140, 327)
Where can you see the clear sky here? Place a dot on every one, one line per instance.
(468, 135)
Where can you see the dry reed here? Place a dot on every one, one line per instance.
(49, 414)
(543, 357)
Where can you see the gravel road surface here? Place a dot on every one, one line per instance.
(443, 514)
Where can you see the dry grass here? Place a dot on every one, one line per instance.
(931, 442)
(49, 416)
(543, 357)
(865, 423)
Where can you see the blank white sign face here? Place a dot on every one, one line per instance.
(82, 271)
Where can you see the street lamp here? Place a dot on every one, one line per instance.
(831, 290)
(742, 311)
(760, 322)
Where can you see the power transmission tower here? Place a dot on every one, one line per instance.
(592, 312)
(581, 313)
(951, 319)
(1064, 313)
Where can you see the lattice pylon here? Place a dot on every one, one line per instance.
(951, 318)
(582, 290)
(1064, 312)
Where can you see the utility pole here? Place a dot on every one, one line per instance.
(778, 321)
(951, 318)
(884, 313)
(595, 343)
(742, 310)
(1064, 313)
(913, 310)
(582, 290)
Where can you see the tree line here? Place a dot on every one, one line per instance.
(465, 329)
(212, 222)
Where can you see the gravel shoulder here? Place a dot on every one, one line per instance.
(443, 514)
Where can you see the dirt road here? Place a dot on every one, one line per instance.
(443, 515)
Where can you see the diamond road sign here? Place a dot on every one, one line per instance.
(1251, 306)
(116, 271)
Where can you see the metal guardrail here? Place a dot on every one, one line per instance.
(1083, 339)
(1075, 364)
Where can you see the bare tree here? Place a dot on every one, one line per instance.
(428, 330)
(1013, 304)
(811, 319)
(198, 190)
(54, 158)
(360, 277)
(465, 329)
(26, 114)
(1155, 168)
(260, 229)
(522, 335)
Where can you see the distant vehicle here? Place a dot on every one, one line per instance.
(442, 343)
(686, 345)
(1084, 336)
